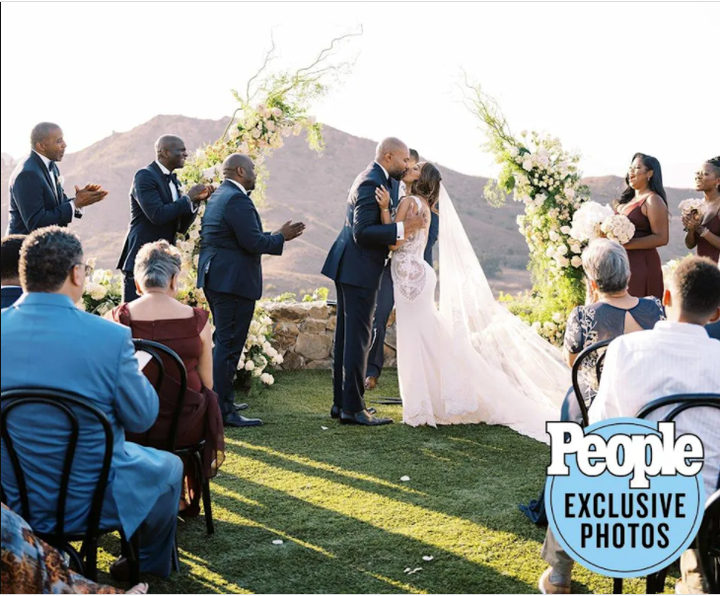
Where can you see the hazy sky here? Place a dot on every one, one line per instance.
(609, 78)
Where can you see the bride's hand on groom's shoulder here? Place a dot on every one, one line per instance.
(382, 196)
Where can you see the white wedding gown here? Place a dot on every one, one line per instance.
(471, 361)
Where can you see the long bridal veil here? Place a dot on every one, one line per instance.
(534, 375)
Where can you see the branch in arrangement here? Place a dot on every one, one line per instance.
(269, 56)
(488, 110)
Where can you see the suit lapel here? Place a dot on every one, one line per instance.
(46, 173)
(164, 186)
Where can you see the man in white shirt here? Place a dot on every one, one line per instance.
(158, 208)
(676, 357)
(37, 196)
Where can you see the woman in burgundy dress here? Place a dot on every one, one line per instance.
(644, 203)
(705, 233)
(159, 317)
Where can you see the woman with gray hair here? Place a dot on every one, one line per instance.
(611, 311)
(158, 316)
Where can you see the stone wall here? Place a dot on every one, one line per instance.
(304, 332)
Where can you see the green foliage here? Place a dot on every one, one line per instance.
(320, 294)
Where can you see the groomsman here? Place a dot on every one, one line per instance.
(230, 271)
(158, 208)
(386, 297)
(37, 197)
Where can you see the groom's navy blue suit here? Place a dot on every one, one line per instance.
(229, 270)
(355, 262)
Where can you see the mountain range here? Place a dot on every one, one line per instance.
(304, 186)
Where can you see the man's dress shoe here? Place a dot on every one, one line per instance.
(335, 412)
(234, 420)
(364, 418)
(240, 407)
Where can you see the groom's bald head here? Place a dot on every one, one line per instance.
(393, 155)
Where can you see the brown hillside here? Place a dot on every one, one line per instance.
(303, 186)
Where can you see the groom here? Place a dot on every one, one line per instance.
(355, 262)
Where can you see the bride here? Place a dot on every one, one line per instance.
(472, 360)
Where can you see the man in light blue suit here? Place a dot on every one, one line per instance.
(48, 342)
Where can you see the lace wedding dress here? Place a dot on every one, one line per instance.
(472, 360)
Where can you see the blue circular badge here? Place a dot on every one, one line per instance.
(604, 520)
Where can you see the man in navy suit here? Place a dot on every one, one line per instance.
(11, 289)
(356, 262)
(158, 208)
(37, 197)
(230, 271)
(386, 298)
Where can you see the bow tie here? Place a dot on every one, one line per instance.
(52, 166)
(172, 178)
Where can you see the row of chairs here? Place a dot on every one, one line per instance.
(68, 405)
(708, 538)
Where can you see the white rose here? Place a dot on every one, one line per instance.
(576, 261)
(61, 180)
(554, 236)
(527, 164)
(566, 230)
(270, 125)
(266, 347)
(267, 379)
(562, 249)
(563, 262)
(557, 317)
(99, 292)
(256, 133)
(576, 248)
(277, 112)
(249, 365)
(234, 132)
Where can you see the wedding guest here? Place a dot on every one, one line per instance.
(31, 566)
(37, 196)
(611, 313)
(704, 233)
(71, 350)
(158, 208)
(386, 299)
(644, 203)
(10, 251)
(159, 317)
(675, 357)
(230, 271)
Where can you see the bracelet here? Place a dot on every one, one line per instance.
(702, 230)
(385, 210)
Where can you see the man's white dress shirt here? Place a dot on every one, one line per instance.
(670, 359)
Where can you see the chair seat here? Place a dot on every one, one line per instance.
(197, 448)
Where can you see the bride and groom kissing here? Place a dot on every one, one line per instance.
(469, 361)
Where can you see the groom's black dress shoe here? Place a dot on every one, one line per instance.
(234, 420)
(240, 407)
(335, 412)
(364, 418)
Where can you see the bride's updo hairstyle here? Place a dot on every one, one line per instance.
(428, 185)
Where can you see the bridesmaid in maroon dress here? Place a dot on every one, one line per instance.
(705, 233)
(159, 317)
(644, 203)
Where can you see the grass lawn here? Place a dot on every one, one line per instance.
(348, 523)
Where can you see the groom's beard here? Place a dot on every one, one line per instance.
(398, 175)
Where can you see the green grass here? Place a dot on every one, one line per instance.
(349, 524)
